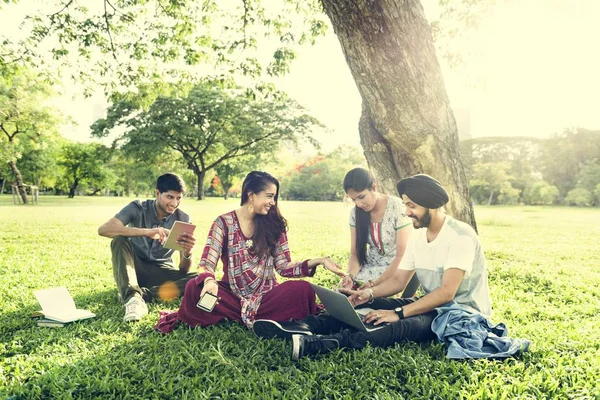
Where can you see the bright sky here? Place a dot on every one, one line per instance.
(536, 62)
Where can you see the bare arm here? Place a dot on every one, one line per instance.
(438, 297)
(114, 227)
(353, 263)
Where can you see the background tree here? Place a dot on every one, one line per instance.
(489, 181)
(407, 125)
(540, 193)
(589, 178)
(23, 117)
(565, 154)
(208, 126)
(231, 171)
(321, 177)
(84, 164)
(522, 153)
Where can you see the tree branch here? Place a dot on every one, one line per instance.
(112, 45)
(234, 152)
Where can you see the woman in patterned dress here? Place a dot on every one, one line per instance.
(379, 230)
(252, 244)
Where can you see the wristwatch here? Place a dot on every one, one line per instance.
(400, 312)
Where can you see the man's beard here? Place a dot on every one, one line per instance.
(424, 221)
(164, 209)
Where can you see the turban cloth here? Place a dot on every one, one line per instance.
(423, 190)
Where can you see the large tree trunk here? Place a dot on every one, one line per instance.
(19, 181)
(407, 125)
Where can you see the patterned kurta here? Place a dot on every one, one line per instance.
(381, 242)
(249, 277)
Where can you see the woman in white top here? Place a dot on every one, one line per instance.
(379, 230)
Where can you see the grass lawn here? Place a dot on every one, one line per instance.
(544, 265)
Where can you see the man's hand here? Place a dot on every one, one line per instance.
(187, 241)
(380, 316)
(158, 233)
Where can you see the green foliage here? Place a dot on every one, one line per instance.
(321, 177)
(579, 197)
(565, 154)
(540, 193)
(208, 126)
(233, 171)
(84, 164)
(589, 177)
(544, 288)
(490, 183)
(126, 42)
(543, 171)
(23, 115)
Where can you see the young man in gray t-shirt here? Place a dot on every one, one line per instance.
(142, 267)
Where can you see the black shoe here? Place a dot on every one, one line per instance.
(267, 329)
(312, 345)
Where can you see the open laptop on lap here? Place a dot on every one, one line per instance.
(339, 307)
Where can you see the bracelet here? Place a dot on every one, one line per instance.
(187, 257)
(371, 296)
(210, 278)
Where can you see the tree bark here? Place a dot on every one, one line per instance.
(225, 190)
(72, 188)
(200, 175)
(19, 181)
(406, 126)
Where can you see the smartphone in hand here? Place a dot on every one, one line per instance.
(207, 302)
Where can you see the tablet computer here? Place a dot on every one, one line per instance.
(177, 229)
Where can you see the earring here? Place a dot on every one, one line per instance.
(250, 208)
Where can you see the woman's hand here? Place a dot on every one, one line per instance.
(357, 297)
(346, 282)
(330, 265)
(368, 284)
(211, 286)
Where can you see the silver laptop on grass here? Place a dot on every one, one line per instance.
(339, 307)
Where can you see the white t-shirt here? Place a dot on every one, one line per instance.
(456, 246)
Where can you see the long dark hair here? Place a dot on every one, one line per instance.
(267, 228)
(360, 179)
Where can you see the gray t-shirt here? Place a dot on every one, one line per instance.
(142, 214)
(456, 246)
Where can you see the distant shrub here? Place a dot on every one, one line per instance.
(579, 197)
(540, 193)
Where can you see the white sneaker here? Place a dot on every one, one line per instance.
(135, 309)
